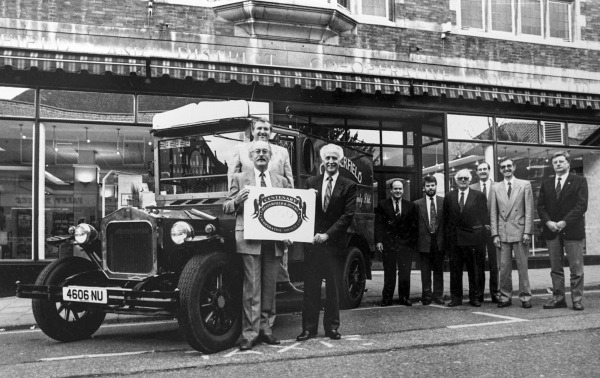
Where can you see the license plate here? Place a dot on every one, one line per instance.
(85, 294)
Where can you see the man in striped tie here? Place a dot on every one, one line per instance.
(335, 207)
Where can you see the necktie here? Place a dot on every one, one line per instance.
(558, 188)
(327, 194)
(432, 215)
(484, 190)
(509, 189)
(461, 203)
(262, 180)
(397, 208)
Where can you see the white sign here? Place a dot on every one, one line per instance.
(279, 214)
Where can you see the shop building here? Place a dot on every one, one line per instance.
(429, 87)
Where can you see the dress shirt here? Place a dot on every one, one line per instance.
(487, 187)
(325, 182)
(563, 179)
(267, 177)
(512, 184)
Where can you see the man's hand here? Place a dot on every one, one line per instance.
(320, 238)
(561, 225)
(241, 196)
(287, 242)
(497, 241)
(379, 247)
(552, 226)
(526, 239)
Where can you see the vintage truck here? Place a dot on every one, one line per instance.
(177, 257)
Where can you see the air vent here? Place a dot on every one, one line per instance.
(553, 132)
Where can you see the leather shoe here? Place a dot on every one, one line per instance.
(475, 303)
(454, 303)
(504, 304)
(577, 306)
(333, 334)
(305, 335)
(439, 301)
(405, 302)
(555, 304)
(426, 302)
(246, 344)
(481, 299)
(288, 287)
(269, 339)
(526, 304)
(385, 303)
(495, 299)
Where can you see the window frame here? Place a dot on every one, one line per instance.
(569, 5)
(520, 19)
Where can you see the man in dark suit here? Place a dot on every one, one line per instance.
(335, 207)
(261, 259)
(395, 238)
(430, 244)
(484, 185)
(466, 217)
(562, 203)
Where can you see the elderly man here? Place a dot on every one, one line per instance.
(512, 226)
(260, 129)
(562, 204)
(261, 260)
(335, 207)
(466, 217)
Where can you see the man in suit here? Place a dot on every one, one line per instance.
(395, 238)
(431, 242)
(335, 207)
(261, 259)
(466, 217)
(562, 203)
(260, 129)
(512, 226)
(485, 185)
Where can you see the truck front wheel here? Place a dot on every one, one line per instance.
(210, 293)
(353, 283)
(65, 321)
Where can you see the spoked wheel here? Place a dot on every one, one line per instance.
(353, 279)
(65, 321)
(210, 292)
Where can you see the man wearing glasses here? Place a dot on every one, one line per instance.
(512, 226)
(466, 216)
(562, 204)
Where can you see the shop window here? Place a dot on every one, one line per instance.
(433, 160)
(393, 137)
(517, 130)
(469, 155)
(363, 136)
(111, 107)
(17, 102)
(469, 127)
(397, 157)
(583, 134)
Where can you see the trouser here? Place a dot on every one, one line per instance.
(464, 255)
(282, 273)
(321, 264)
(260, 272)
(401, 258)
(432, 262)
(493, 259)
(574, 251)
(521, 252)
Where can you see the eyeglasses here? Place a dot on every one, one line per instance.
(506, 166)
(462, 178)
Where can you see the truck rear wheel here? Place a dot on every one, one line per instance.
(210, 293)
(65, 321)
(353, 283)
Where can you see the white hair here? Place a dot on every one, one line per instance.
(464, 170)
(331, 149)
(253, 147)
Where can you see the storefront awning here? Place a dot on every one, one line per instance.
(17, 59)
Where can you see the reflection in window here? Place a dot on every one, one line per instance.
(392, 137)
(582, 134)
(517, 130)
(363, 136)
(469, 155)
(469, 127)
(398, 157)
(18, 102)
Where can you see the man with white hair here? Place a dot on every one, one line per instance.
(466, 217)
(335, 207)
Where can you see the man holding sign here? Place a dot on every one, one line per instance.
(261, 259)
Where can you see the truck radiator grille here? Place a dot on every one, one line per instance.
(129, 247)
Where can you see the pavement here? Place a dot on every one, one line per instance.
(16, 313)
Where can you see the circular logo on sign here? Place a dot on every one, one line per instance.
(280, 213)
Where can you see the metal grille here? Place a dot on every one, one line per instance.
(129, 247)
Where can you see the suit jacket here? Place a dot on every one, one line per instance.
(511, 217)
(426, 236)
(238, 182)
(278, 165)
(570, 207)
(477, 186)
(396, 231)
(466, 228)
(340, 212)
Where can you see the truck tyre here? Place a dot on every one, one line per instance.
(353, 282)
(210, 293)
(65, 321)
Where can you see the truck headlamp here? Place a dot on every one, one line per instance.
(181, 231)
(84, 233)
(209, 228)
